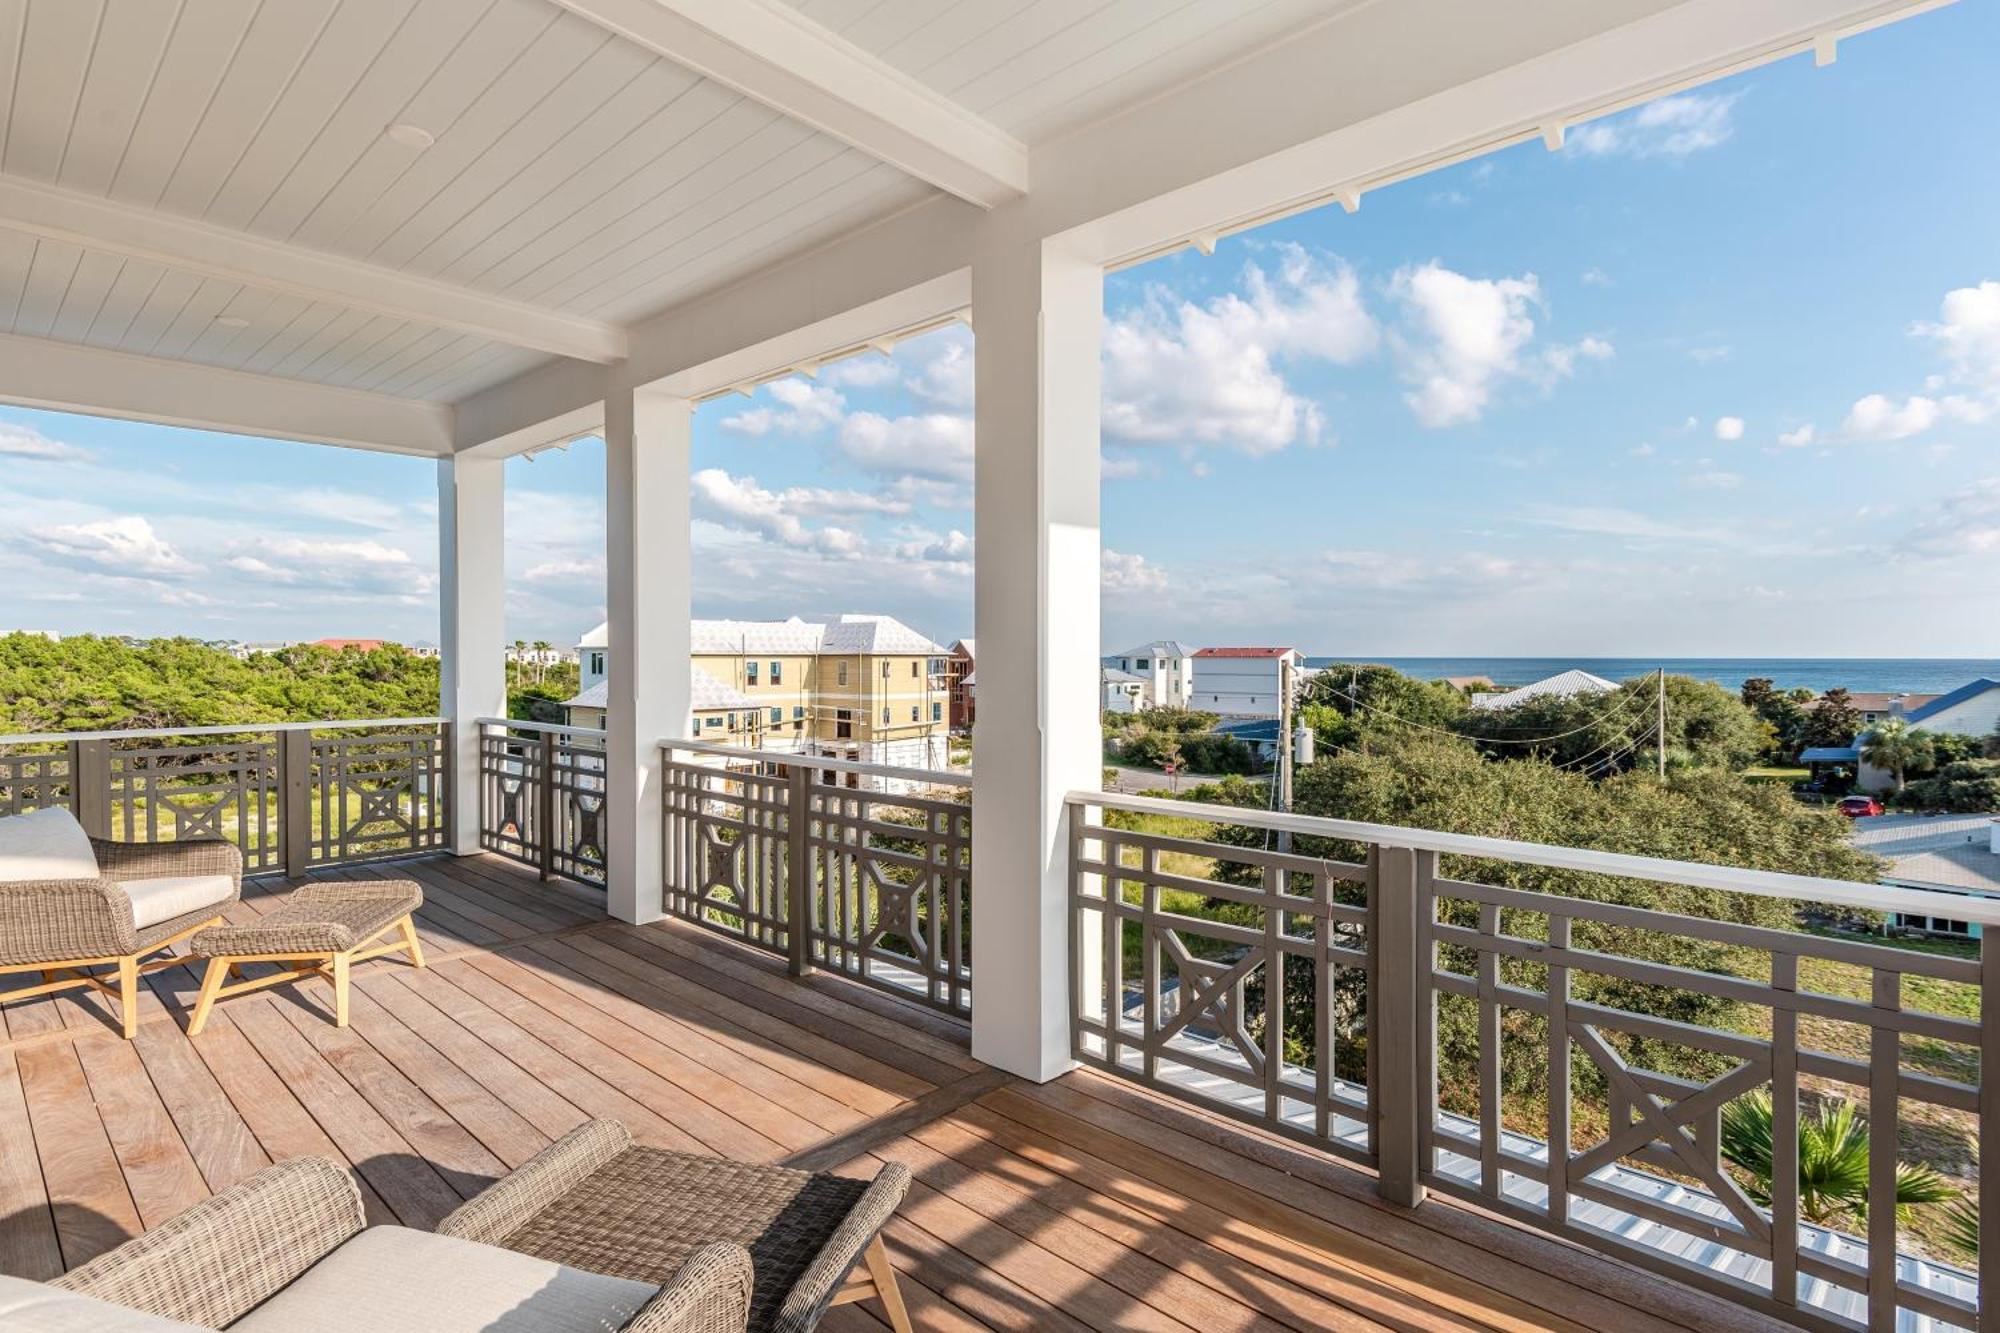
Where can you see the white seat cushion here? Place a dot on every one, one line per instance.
(30, 1307)
(395, 1280)
(45, 844)
(157, 900)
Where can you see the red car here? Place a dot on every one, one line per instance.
(1860, 807)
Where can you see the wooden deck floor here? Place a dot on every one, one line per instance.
(1082, 1204)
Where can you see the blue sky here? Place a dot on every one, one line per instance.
(1721, 377)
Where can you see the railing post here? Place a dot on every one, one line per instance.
(1404, 1069)
(798, 870)
(1989, 1122)
(295, 801)
(545, 806)
(90, 786)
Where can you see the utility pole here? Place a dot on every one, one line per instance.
(1660, 726)
(1285, 748)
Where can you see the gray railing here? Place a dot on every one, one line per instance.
(1314, 997)
(293, 796)
(874, 862)
(541, 797)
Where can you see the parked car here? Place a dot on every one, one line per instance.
(1859, 807)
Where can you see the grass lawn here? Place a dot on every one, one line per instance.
(1777, 773)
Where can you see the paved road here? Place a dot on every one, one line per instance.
(1946, 851)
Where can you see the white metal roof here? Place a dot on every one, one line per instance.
(1159, 648)
(1563, 685)
(814, 635)
(706, 694)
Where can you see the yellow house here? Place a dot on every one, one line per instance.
(862, 687)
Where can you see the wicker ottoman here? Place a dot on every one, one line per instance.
(321, 931)
(594, 1200)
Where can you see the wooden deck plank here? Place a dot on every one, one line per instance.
(28, 1246)
(87, 1191)
(1085, 1204)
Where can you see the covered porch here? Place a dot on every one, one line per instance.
(509, 226)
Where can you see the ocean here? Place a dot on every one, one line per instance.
(1914, 675)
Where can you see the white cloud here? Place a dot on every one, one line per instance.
(582, 569)
(1673, 127)
(944, 376)
(1596, 277)
(1968, 329)
(1643, 450)
(1601, 521)
(1708, 356)
(1462, 335)
(1729, 428)
(1181, 373)
(1964, 523)
(1714, 479)
(1561, 359)
(952, 547)
(739, 502)
(937, 445)
(1799, 438)
(25, 442)
(1877, 417)
(803, 408)
(868, 370)
(1124, 573)
(126, 545)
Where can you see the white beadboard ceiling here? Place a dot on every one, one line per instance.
(572, 170)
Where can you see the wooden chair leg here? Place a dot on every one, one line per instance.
(410, 944)
(340, 971)
(211, 982)
(876, 1256)
(128, 995)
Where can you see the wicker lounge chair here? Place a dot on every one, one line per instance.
(287, 1250)
(87, 912)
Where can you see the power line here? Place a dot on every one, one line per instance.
(1625, 700)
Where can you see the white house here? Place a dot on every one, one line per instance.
(1124, 692)
(1165, 667)
(1973, 709)
(1242, 682)
(1563, 685)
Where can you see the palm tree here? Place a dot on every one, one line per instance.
(542, 648)
(1961, 1226)
(1894, 746)
(1833, 1161)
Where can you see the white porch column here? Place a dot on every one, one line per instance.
(472, 623)
(646, 477)
(1037, 314)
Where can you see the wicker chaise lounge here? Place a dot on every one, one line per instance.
(87, 912)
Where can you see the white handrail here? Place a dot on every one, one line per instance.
(239, 729)
(957, 777)
(561, 728)
(1731, 879)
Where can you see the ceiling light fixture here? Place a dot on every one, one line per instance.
(410, 136)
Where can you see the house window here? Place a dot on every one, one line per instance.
(937, 712)
(777, 715)
(913, 670)
(750, 673)
(885, 671)
(711, 722)
(1143, 665)
(798, 713)
(597, 664)
(777, 673)
(732, 721)
(843, 724)
(915, 716)
(885, 716)
(842, 673)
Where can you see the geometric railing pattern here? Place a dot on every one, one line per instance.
(291, 796)
(541, 797)
(870, 883)
(1531, 1052)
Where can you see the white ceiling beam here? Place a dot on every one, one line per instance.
(770, 52)
(68, 377)
(111, 227)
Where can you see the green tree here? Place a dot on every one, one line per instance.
(1896, 746)
(1350, 702)
(1833, 1161)
(1835, 720)
(1606, 734)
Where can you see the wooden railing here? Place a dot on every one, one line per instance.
(1312, 996)
(541, 796)
(293, 796)
(860, 869)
